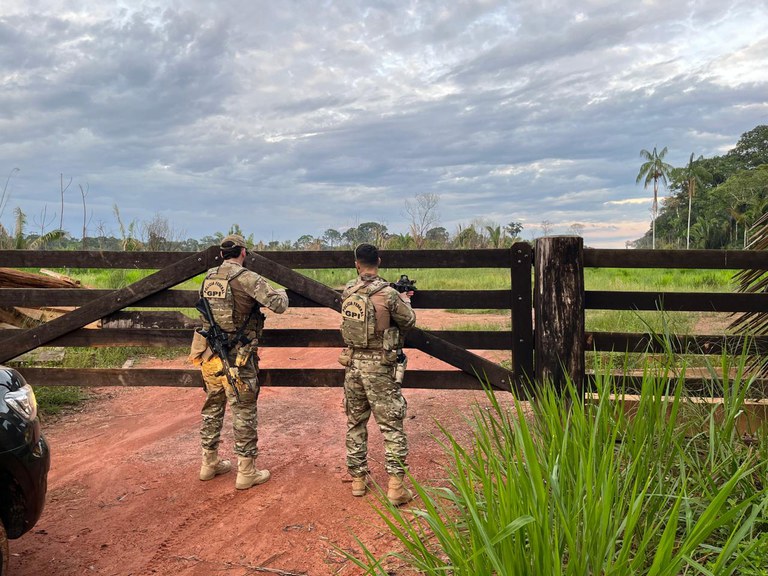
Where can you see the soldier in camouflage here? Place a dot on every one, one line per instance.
(375, 318)
(234, 294)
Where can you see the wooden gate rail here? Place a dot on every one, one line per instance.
(321, 259)
(191, 378)
(682, 259)
(174, 298)
(273, 338)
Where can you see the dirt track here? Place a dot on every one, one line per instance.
(124, 498)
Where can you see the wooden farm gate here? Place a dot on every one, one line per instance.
(549, 343)
(155, 291)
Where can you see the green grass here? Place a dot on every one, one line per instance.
(115, 357)
(54, 399)
(479, 327)
(572, 488)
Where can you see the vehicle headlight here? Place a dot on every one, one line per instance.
(23, 402)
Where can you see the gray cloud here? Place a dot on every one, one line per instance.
(292, 117)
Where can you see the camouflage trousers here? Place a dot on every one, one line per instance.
(244, 414)
(370, 387)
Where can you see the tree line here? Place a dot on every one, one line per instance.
(713, 202)
(158, 234)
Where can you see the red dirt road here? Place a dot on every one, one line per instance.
(124, 497)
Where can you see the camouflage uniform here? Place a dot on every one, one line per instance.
(370, 387)
(248, 288)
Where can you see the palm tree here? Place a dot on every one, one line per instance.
(693, 174)
(495, 235)
(654, 169)
(18, 240)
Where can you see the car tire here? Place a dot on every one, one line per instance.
(3, 550)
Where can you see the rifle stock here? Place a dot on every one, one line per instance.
(218, 342)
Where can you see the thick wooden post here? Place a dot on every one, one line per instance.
(521, 309)
(559, 310)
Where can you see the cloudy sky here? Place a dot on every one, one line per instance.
(296, 116)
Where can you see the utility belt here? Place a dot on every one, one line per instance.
(384, 357)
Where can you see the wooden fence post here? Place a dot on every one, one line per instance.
(559, 310)
(521, 309)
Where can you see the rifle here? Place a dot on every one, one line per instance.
(403, 285)
(218, 342)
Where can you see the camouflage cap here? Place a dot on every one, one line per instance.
(232, 240)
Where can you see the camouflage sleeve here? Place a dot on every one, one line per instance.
(259, 289)
(401, 312)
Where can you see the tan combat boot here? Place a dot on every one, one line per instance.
(359, 485)
(212, 466)
(398, 494)
(248, 475)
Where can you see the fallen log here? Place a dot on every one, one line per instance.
(27, 317)
(11, 278)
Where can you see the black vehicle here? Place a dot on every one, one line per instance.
(24, 461)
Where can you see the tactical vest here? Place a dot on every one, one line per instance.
(358, 315)
(217, 289)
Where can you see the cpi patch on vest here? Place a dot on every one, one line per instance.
(355, 308)
(215, 288)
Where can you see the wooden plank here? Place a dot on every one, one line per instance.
(425, 299)
(472, 364)
(676, 301)
(680, 344)
(160, 319)
(522, 311)
(38, 297)
(685, 259)
(466, 299)
(191, 378)
(405, 259)
(307, 378)
(90, 259)
(277, 338)
(98, 308)
(695, 386)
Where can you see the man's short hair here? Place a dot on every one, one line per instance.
(367, 254)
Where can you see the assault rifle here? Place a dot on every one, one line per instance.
(219, 343)
(404, 285)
